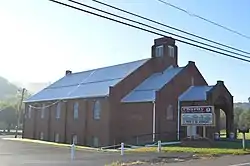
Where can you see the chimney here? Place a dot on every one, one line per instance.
(164, 40)
(191, 63)
(164, 53)
(68, 72)
(219, 82)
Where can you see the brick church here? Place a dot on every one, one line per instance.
(134, 102)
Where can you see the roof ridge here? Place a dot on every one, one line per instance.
(110, 66)
(84, 83)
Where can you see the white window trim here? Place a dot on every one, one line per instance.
(159, 51)
(76, 110)
(58, 110)
(171, 51)
(97, 110)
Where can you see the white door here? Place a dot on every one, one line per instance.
(191, 131)
(194, 130)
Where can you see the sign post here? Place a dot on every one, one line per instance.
(198, 116)
(159, 146)
(244, 130)
(204, 131)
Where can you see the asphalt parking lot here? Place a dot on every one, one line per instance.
(18, 153)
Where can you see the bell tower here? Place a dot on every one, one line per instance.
(164, 53)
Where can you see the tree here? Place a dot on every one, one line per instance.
(244, 119)
(9, 110)
(249, 99)
(8, 116)
(237, 112)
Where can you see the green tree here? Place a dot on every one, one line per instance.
(9, 109)
(237, 112)
(244, 119)
(8, 116)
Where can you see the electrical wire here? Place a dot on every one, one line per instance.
(170, 27)
(205, 19)
(137, 22)
(150, 31)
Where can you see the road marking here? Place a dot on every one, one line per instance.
(241, 164)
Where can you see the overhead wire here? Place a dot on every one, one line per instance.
(170, 27)
(137, 22)
(146, 31)
(204, 19)
(150, 31)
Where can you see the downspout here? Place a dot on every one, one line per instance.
(154, 121)
(178, 121)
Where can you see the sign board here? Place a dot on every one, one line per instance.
(243, 130)
(197, 115)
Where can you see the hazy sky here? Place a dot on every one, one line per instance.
(39, 40)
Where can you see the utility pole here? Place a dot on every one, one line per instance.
(19, 113)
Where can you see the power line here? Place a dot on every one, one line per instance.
(146, 30)
(170, 27)
(205, 19)
(137, 22)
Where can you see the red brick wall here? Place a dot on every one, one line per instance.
(85, 127)
(169, 95)
(137, 121)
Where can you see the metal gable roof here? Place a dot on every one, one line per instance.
(146, 90)
(195, 93)
(92, 83)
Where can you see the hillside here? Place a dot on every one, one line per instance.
(7, 89)
(33, 87)
(242, 105)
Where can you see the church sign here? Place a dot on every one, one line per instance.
(197, 116)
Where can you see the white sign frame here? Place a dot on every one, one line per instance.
(206, 113)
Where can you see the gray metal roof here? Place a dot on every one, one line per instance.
(195, 93)
(146, 90)
(92, 83)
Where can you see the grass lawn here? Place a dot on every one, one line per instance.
(240, 135)
(201, 151)
(222, 147)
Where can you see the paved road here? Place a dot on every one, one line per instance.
(15, 153)
(222, 161)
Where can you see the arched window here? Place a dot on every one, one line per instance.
(76, 107)
(171, 51)
(97, 110)
(43, 111)
(57, 137)
(192, 81)
(74, 139)
(41, 136)
(170, 113)
(58, 110)
(29, 112)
